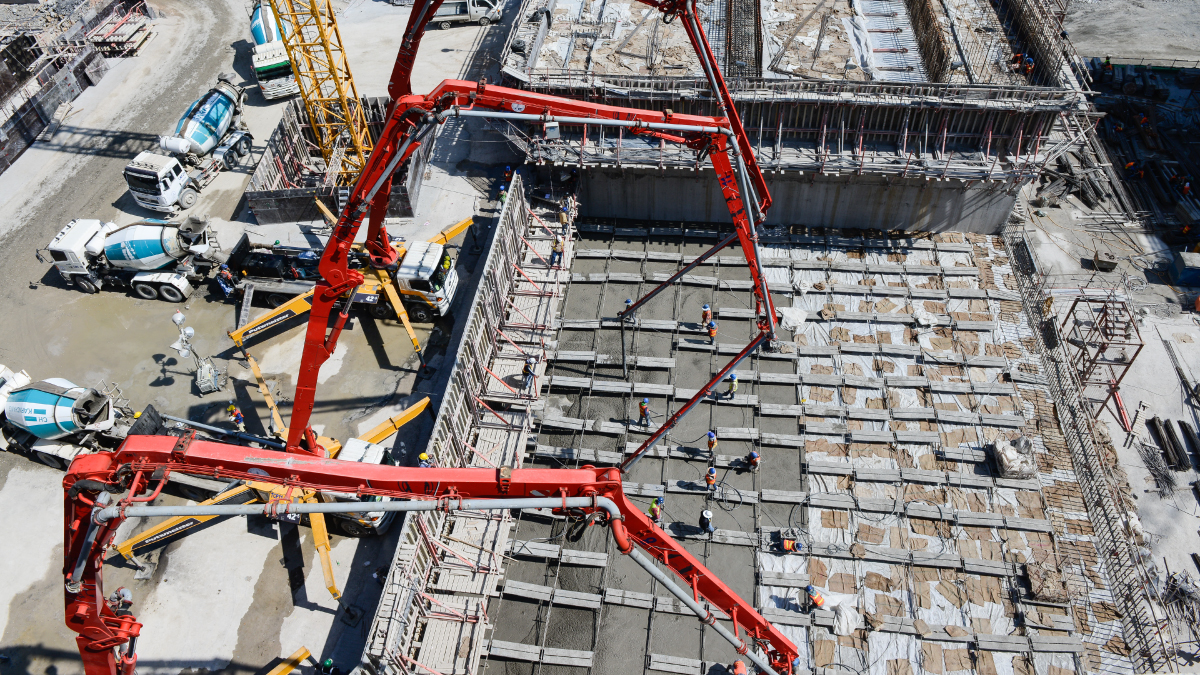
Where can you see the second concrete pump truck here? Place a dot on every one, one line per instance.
(104, 488)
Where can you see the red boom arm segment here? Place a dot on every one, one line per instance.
(411, 120)
(100, 629)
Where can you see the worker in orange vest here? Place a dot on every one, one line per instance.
(753, 460)
(644, 412)
(815, 597)
(705, 315)
(1029, 66)
(739, 668)
(712, 443)
(1016, 62)
(712, 332)
(789, 545)
(710, 478)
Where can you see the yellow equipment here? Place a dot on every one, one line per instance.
(314, 46)
(291, 663)
(255, 492)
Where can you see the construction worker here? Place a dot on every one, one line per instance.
(1016, 62)
(815, 597)
(712, 446)
(656, 510)
(236, 417)
(327, 668)
(628, 314)
(706, 522)
(1108, 67)
(753, 460)
(1133, 170)
(733, 384)
(739, 668)
(710, 478)
(508, 174)
(556, 251)
(527, 371)
(1028, 66)
(1118, 126)
(562, 218)
(644, 412)
(120, 601)
(788, 545)
(1187, 187)
(503, 195)
(1143, 121)
(705, 315)
(225, 280)
(712, 332)
(423, 461)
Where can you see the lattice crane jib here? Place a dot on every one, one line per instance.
(314, 46)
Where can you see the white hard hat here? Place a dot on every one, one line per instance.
(707, 514)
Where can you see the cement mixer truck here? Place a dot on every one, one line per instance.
(153, 258)
(54, 420)
(210, 138)
(272, 68)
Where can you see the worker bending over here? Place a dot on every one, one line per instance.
(423, 461)
(236, 417)
(753, 460)
(706, 522)
(738, 668)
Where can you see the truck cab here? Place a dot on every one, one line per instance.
(156, 182)
(482, 12)
(427, 281)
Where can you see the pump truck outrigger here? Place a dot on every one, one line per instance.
(587, 495)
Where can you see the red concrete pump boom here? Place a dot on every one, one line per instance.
(93, 514)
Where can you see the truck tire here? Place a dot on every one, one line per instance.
(243, 147)
(52, 461)
(187, 198)
(352, 528)
(170, 293)
(276, 299)
(419, 314)
(145, 291)
(86, 285)
(484, 21)
(445, 25)
(382, 310)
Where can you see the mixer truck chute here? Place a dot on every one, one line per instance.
(209, 138)
(153, 258)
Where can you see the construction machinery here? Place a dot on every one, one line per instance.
(209, 138)
(314, 47)
(269, 56)
(154, 258)
(422, 288)
(587, 496)
(482, 12)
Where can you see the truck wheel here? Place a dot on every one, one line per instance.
(145, 291)
(243, 146)
(484, 21)
(187, 198)
(445, 25)
(52, 461)
(352, 528)
(382, 310)
(276, 299)
(170, 293)
(86, 285)
(420, 314)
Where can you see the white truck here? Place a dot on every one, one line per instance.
(272, 67)
(210, 137)
(482, 12)
(153, 258)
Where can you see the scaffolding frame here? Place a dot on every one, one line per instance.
(1099, 332)
(314, 46)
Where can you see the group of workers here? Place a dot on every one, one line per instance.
(1023, 63)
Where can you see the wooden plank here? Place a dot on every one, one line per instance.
(567, 657)
(675, 664)
(521, 589)
(616, 596)
(515, 651)
(584, 558)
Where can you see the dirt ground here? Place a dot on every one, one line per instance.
(1160, 29)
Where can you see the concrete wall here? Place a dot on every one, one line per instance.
(815, 200)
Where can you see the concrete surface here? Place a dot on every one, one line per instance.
(1157, 29)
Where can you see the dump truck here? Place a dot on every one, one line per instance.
(54, 420)
(210, 138)
(155, 259)
(272, 67)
